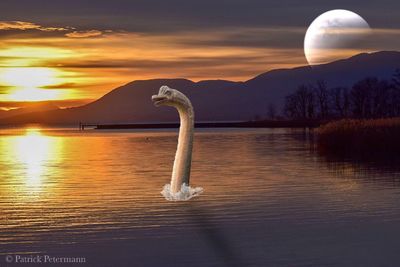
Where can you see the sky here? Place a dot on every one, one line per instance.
(73, 52)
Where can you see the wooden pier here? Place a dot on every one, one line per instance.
(82, 126)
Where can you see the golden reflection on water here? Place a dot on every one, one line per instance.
(34, 154)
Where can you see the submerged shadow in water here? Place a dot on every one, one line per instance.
(214, 235)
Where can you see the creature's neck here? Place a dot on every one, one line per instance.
(183, 156)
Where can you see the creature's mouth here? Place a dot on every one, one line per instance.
(158, 100)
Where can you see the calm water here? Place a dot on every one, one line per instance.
(268, 201)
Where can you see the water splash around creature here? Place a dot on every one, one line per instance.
(185, 193)
(179, 188)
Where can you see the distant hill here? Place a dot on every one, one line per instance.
(216, 100)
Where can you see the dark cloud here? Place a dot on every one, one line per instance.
(258, 38)
(61, 86)
(5, 58)
(85, 19)
(30, 33)
(5, 89)
(67, 85)
(88, 19)
(58, 103)
(175, 15)
(182, 62)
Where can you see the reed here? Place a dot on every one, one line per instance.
(373, 136)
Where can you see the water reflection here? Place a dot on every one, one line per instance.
(32, 150)
(372, 167)
(353, 167)
(268, 200)
(29, 158)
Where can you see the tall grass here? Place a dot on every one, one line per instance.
(374, 136)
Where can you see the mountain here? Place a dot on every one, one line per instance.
(217, 100)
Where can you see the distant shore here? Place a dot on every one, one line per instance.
(244, 124)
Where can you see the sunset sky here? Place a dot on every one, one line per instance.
(73, 52)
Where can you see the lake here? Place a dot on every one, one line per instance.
(269, 199)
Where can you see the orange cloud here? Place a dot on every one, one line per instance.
(23, 25)
(84, 34)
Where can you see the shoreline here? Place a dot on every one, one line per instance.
(243, 124)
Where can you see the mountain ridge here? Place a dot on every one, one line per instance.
(216, 100)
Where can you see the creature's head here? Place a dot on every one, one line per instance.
(170, 97)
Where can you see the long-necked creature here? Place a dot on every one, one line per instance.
(183, 157)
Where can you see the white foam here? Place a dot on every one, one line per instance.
(185, 193)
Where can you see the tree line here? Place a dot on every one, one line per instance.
(368, 98)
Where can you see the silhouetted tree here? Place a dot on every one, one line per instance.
(368, 98)
(321, 94)
(300, 104)
(395, 98)
(381, 94)
(340, 102)
(396, 78)
(310, 105)
(361, 97)
(291, 109)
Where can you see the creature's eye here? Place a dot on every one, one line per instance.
(168, 93)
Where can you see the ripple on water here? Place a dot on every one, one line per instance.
(267, 198)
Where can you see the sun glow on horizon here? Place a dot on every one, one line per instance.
(29, 77)
(31, 74)
(92, 66)
(29, 83)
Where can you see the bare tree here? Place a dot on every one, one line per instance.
(321, 94)
(395, 98)
(396, 78)
(368, 98)
(340, 102)
(305, 101)
(300, 104)
(310, 105)
(291, 108)
(380, 103)
(361, 97)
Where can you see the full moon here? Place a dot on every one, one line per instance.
(334, 35)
